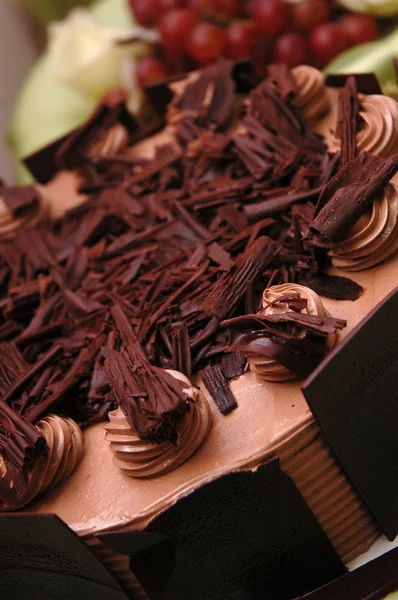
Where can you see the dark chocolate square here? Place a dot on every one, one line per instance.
(354, 397)
(41, 558)
(367, 83)
(245, 536)
(373, 581)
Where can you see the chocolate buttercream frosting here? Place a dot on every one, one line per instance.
(378, 133)
(276, 300)
(288, 337)
(153, 401)
(373, 238)
(60, 450)
(141, 458)
(311, 97)
(348, 195)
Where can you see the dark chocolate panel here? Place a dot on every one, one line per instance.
(354, 397)
(373, 581)
(367, 83)
(41, 558)
(245, 536)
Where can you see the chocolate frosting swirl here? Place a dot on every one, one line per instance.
(373, 238)
(65, 449)
(379, 131)
(312, 99)
(142, 458)
(269, 369)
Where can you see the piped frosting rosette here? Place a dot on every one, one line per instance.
(378, 133)
(373, 238)
(64, 441)
(138, 457)
(273, 302)
(311, 99)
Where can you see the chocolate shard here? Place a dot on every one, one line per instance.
(232, 286)
(75, 149)
(350, 395)
(217, 386)
(315, 324)
(348, 195)
(182, 359)
(153, 400)
(20, 445)
(283, 80)
(20, 199)
(207, 100)
(233, 365)
(348, 121)
(331, 286)
(367, 83)
(300, 356)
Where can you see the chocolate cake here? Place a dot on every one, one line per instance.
(182, 281)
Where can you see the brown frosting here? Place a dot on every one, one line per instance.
(373, 238)
(65, 450)
(312, 98)
(379, 131)
(141, 458)
(267, 368)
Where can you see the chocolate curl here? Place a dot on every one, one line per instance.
(348, 121)
(347, 197)
(231, 286)
(153, 400)
(20, 445)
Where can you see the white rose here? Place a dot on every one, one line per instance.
(91, 57)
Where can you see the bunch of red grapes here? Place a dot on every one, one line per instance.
(197, 32)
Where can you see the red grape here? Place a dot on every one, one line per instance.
(270, 16)
(205, 8)
(205, 42)
(231, 8)
(326, 41)
(262, 53)
(163, 6)
(150, 70)
(175, 25)
(359, 29)
(240, 36)
(291, 49)
(145, 11)
(307, 14)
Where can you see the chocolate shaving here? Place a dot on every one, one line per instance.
(331, 286)
(20, 200)
(348, 195)
(231, 287)
(20, 445)
(75, 149)
(153, 400)
(233, 365)
(283, 80)
(217, 386)
(348, 121)
(314, 324)
(367, 83)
